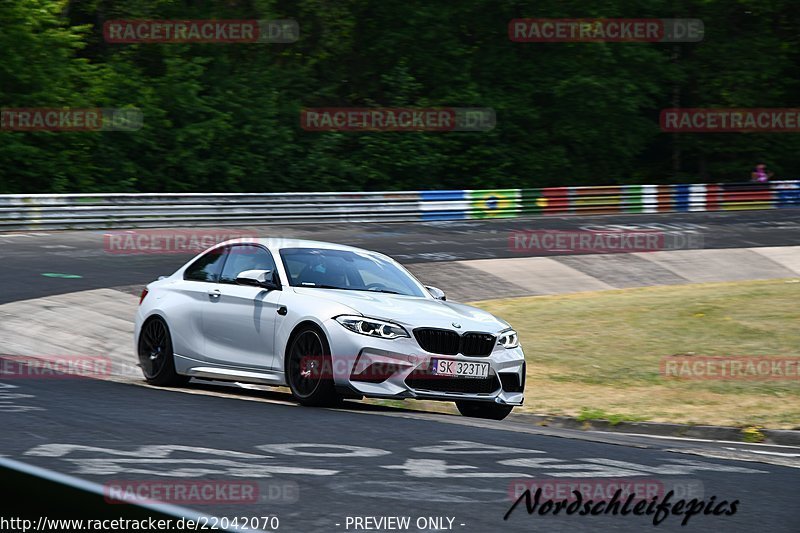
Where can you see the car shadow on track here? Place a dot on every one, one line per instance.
(282, 394)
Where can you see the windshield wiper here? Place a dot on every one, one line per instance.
(315, 286)
(387, 291)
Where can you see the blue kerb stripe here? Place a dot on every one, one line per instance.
(681, 196)
(788, 197)
(438, 196)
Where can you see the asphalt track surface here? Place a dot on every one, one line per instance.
(400, 463)
(26, 256)
(317, 467)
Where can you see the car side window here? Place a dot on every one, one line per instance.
(246, 257)
(206, 268)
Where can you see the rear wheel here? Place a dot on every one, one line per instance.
(309, 371)
(492, 411)
(156, 357)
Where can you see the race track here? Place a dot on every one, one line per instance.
(26, 256)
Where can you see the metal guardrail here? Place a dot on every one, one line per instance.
(102, 211)
(45, 500)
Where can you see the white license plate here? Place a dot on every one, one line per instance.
(460, 369)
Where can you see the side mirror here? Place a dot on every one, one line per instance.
(258, 278)
(436, 293)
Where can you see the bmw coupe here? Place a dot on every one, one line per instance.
(328, 321)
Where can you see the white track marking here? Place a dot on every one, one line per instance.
(764, 452)
(601, 467)
(436, 468)
(351, 451)
(692, 439)
(148, 460)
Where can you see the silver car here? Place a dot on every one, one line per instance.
(328, 321)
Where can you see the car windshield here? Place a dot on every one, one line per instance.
(347, 270)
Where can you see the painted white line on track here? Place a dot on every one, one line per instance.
(764, 452)
(691, 439)
(745, 455)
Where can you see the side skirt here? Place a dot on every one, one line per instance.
(206, 370)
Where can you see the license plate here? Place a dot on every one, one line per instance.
(459, 369)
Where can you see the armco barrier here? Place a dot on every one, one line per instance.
(44, 497)
(100, 211)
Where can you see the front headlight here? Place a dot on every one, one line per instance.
(508, 339)
(372, 327)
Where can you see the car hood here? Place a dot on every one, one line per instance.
(410, 311)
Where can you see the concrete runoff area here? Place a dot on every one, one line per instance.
(700, 266)
(539, 275)
(462, 281)
(481, 279)
(786, 256)
(96, 323)
(579, 273)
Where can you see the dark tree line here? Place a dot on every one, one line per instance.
(225, 117)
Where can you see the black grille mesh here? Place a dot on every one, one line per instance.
(439, 341)
(477, 344)
(446, 342)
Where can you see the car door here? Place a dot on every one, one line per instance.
(239, 322)
(195, 291)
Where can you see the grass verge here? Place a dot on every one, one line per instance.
(599, 353)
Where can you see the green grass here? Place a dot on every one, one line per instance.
(614, 419)
(599, 353)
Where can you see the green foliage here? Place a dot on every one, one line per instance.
(225, 117)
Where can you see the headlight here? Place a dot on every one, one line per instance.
(508, 339)
(372, 327)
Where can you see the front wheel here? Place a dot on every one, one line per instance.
(156, 357)
(309, 371)
(492, 411)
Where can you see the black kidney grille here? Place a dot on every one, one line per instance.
(423, 379)
(441, 341)
(477, 344)
(446, 342)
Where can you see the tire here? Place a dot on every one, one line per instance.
(156, 357)
(492, 411)
(309, 370)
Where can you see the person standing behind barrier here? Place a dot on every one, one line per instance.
(760, 174)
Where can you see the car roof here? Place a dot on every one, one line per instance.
(277, 243)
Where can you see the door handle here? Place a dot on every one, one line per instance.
(214, 293)
(282, 310)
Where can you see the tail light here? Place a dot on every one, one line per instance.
(141, 298)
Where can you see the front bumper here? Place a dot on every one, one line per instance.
(398, 369)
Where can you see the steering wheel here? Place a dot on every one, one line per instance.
(377, 285)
